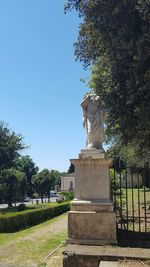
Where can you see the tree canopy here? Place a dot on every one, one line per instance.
(13, 184)
(11, 145)
(25, 164)
(43, 182)
(114, 37)
(15, 170)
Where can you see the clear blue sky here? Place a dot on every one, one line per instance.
(40, 88)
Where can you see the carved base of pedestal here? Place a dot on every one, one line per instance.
(92, 153)
(91, 242)
(92, 205)
(92, 228)
(92, 220)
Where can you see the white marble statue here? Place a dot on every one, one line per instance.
(93, 121)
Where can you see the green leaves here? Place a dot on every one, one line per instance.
(10, 146)
(14, 184)
(26, 165)
(43, 182)
(114, 37)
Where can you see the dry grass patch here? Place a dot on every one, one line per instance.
(56, 260)
(31, 246)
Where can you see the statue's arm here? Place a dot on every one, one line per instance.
(84, 108)
(84, 102)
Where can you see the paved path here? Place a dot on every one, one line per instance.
(27, 248)
(108, 264)
(122, 264)
(110, 252)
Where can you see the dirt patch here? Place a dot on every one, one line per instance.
(127, 263)
(7, 250)
(32, 248)
(58, 227)
(56, 260)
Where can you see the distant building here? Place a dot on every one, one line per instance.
(57, 188)
(67, 182)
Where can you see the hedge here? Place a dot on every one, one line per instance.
(21, 220)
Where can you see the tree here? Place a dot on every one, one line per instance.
(22, 186)
(42, 183)
(56, 178)
(2, 191)
(129, 154)
(114, 37)
(26, 165)
(10, 146)
(14, 184)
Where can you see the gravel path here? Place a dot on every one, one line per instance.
(29, 247)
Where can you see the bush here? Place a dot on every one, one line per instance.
(67, 195)
(21, 207)
(21, 220)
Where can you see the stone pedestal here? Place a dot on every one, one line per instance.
(92, 220)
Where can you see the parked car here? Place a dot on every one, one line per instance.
(53, 194)
(27, 199)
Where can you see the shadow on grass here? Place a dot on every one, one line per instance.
(133, 239)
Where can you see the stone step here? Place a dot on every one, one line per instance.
(108, 264)
(95, 256)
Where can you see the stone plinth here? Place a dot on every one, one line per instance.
(87, 256)
(91, 220)
(93, 153)
(92, 178)
(92, 223)
(91, 228)
(88, 205)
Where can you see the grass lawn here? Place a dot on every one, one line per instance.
(29, 247)
(136, 206)
(56, 260)
(136, 199)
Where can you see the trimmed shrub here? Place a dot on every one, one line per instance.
(67, 195)
(21, 207)
(21, 220)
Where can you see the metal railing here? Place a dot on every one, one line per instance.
(130, 188)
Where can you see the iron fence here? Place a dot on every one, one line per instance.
(130, 188)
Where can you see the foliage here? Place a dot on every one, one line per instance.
(114, 36)
(21, 207)
(13, 182)
(56, 177)
(20, 220)
(14, 185)
(130, 154)
(67, 195)
(25, 164)
(116, 191)
(43, 182)
(10, 146)
(3, 190)
(10, 210)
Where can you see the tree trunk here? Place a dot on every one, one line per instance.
(48, 195)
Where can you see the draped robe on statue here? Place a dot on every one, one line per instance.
(93, 121)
